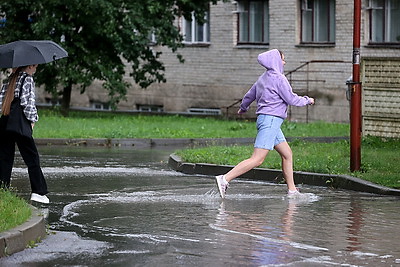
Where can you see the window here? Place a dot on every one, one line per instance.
(51, 101)
(253, 20)
(384, 17)
(152, 39)
(149, 108)
(2, 20)
(205, 111)
(100, 105)
(317, 21)
(195, 32)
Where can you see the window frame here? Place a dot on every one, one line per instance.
(243, 7)
(385, 30)
(194, 25)
(331, 29)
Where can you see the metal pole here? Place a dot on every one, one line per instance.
(355, 106)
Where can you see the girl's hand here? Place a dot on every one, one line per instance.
(240, 111)
(312, 101)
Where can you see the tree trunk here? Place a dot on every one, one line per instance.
(66, 99)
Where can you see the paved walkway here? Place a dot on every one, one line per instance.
(34, 229)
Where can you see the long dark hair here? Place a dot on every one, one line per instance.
(9, 95)
(280, 52)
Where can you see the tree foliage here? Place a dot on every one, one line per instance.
(102, 37)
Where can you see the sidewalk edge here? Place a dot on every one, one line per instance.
(275, 176)
(18, 238)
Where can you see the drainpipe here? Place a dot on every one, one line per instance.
(355, 103)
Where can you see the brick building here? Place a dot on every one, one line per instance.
(221, 56)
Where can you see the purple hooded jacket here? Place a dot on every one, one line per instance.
(272, 90)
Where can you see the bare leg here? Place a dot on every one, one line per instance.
(255, 160)
(287, 163)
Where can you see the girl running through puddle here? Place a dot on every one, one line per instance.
(273, 95)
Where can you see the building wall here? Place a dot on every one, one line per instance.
(218, 75)
(381, 96)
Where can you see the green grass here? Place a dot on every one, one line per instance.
(380, 158)
(113, 125)
(13, 210)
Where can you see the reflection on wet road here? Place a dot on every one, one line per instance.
(125, 207)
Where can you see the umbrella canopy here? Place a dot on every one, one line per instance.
(24, 53)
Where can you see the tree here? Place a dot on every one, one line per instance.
(101, 36)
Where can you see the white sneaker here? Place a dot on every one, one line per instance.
(39, 198)
(294, 194)
(222, 185)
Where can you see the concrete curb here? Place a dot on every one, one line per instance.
(275, 176)
(18, 238)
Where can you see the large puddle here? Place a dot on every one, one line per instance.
(126, 207)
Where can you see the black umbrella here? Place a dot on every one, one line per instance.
(24, 53)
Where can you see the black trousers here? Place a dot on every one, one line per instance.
(30, 155)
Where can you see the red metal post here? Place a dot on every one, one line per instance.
(355, 104)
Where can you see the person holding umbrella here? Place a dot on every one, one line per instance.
(23, 57)
(20, 83)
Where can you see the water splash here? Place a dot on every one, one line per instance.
(303, 198)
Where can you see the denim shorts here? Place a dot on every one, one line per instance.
(269, 133)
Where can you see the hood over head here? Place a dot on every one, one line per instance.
(271, 60)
